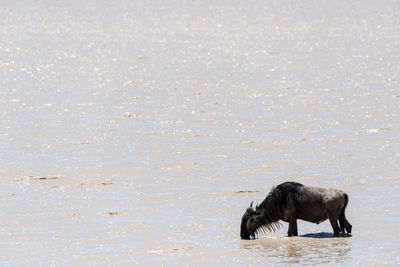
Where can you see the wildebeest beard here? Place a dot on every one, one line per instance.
(264, 217)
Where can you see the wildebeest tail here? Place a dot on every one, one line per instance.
(342, 218)
(346, 200)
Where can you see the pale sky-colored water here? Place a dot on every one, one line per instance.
(128, 129)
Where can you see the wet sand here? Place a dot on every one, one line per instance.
(138, 133)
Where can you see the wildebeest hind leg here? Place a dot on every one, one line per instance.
(344, 223)
(335, 225)
(347, 225)
(341, 222)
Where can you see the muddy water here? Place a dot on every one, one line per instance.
(138, 133)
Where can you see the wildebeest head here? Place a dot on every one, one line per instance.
(249, 223)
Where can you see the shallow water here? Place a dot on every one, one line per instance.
(138, 133)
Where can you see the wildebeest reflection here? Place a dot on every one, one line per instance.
(291, 201)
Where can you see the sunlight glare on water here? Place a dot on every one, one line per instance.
(138, 132)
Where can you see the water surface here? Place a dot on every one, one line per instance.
(138, 132)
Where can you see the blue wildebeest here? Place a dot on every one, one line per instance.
(290, 201)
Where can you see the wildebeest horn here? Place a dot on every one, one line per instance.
(251, 204)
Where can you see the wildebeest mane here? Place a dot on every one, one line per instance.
(274, 205)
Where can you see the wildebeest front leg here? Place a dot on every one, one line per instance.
(292, 231)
